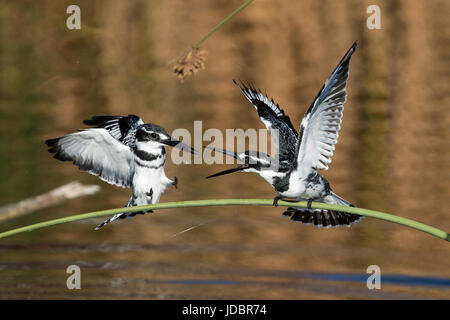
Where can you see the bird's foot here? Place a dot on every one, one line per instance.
(275, 201)
(175, 183)
(150, 193)
(310, 203)
(278, 198)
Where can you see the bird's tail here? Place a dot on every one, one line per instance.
(322, 217)
(122, 215)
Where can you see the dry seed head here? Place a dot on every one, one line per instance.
(190, 63)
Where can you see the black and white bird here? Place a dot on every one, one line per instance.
(294, 173)
(122, 151)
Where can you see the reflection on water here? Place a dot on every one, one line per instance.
(392, 153)
(155, 271)
(390, 279)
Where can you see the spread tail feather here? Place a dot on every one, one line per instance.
(322, 217)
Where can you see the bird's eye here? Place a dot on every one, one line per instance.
(154, 136)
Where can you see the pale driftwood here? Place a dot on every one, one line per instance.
(66, 192)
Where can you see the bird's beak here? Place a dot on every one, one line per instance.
(231, 154)
(228, 153)
(180, 145)
(237, 169)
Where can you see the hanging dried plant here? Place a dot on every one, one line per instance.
(194, 60)
(190, 63)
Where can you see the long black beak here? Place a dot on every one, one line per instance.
(237, 169)
(228, 153)
(231, 154)
(180, 145)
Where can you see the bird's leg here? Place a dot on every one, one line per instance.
(175, 183)
(278, 198)
(310, 203)
(275, 200)
(150, 193)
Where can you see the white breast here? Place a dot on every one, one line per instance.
(149, 180)
(146, 179)
(297, 186)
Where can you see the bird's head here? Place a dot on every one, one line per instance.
(152, 136)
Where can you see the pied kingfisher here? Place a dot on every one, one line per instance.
(123, 151)
(301, 154)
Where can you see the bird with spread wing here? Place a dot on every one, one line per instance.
(122, 151)
(293, 172)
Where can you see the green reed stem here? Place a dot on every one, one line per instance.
(236, 202)
(222, 23)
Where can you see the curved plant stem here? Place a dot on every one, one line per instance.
(232, 202)
(222, 23)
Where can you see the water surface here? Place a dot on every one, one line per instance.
(392, 153)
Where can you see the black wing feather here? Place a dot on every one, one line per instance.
(122, 128)
(274, 118)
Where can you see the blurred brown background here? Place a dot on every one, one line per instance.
(392, 155)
